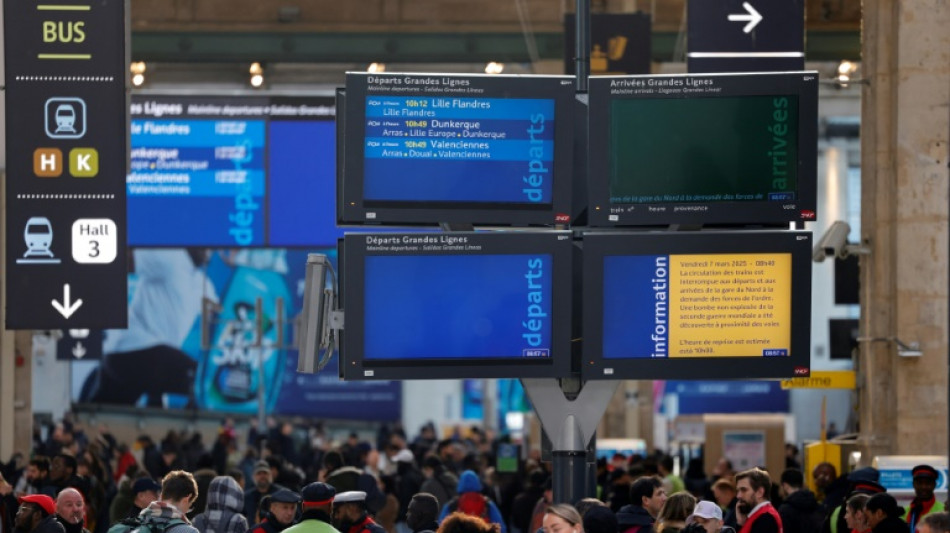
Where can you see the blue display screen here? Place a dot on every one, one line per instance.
(443, 149)
(302, 166)
(457, 306)
(197, 182)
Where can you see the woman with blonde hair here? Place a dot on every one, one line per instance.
(673, 514)
(562, 518)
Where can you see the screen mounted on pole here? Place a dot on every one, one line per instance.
(703, 149)
(703, 305)
(456, 305)
(429, 148)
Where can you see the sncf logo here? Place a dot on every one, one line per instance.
(561, 218)
(807, 214)
(801, 371)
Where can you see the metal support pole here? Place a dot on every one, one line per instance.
(582, 44)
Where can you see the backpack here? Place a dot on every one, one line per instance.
(473, 504)
(136, 525)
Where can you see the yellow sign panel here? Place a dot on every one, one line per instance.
(730, 305)
(829, 379)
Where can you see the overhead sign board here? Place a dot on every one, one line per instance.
(745, 35)
(67, 158)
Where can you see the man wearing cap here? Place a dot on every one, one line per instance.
(350, 515)
(277, 511)
(317, 505)
(37, 515)
(862, 482)
(708, 515)
(144, 491)
(263, 485)
(71, 510)
(924, 502)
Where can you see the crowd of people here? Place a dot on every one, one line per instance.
(72, 483)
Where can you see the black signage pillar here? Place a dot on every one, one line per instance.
(745, 35)
(67, 158)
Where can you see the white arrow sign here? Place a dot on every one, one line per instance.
(752, 17)
(79, 350)
(66, 309)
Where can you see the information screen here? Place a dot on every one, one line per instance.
(689, 303)
(703, 149)
(456, 305)
(420, 147)
(231, 171)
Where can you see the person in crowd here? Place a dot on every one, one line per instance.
(204, 474)
(541, 506)
(755, 512)
(463, 523)
(317, 506)
(723, 470)
(672, 516)
(471, 501)
(647, 497)
(524, 503)
(223, 507)
(350, 514)
(854, 514)
(8, 505)
(168, 514)
(562, 518)
(34, 477)
(408, 481)
(438, 481)
(924, 502)
(345, 478)
(863, 481)
(263, 485)
(676, 483)
(724, 493)
(145, 490)
(832, 490)
(423, 513)
(62, 474)
(935, 523)
(278, 511)
(799, 511)
(71, 510)
(599, 519)
(584, 505)
(708, 516)
(695, 478)
(884, 515)
(37, 514)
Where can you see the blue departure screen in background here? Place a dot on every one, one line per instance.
(457, 306)
(302, 165)
(444, 149)
(197, 182)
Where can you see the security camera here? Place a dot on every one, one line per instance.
(834, 243)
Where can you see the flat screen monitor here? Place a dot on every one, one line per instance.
(697, 305)
(456, 305)
(232, 171)
(703, 149)
(475, 149)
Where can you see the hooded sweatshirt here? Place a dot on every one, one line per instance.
(471, 501)
(801, 513)
(223, 510)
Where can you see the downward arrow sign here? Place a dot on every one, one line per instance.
(753, 17)
(79, 350)
(66, 309)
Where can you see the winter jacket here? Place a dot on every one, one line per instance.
(635, 518)
(801, 513)
(441, 485)
(470, 487)
(49, 525)
(223, 511)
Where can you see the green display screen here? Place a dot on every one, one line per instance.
(717, 149)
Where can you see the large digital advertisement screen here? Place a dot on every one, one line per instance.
(457, 305)
(232, 171)
(705, 149)
(690, 305)
(168, 289)
(418, 148)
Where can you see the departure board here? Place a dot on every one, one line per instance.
(430, 142)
